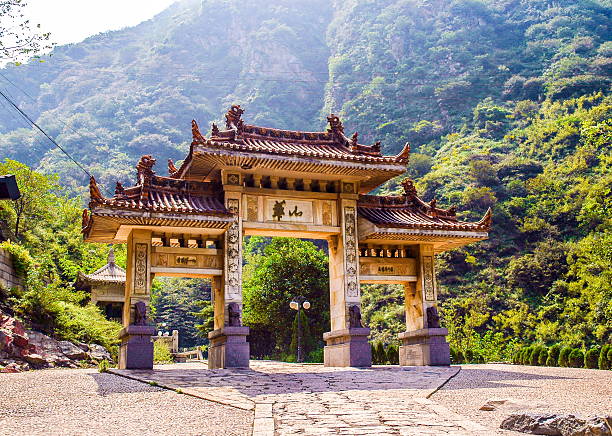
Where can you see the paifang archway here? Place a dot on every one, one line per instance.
(249, 180)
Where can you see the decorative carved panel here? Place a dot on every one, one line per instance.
(350, 252)
(348, 188)
(233, 179)
(233, 255)
(233, 205)
(428, 278)
(140, 268)
(327, 213)
(251, 208)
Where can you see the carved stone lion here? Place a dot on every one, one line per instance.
(433, 318)
(140, 316)
(355, 317)
(233, 310)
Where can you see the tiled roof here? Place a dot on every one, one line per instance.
(109, 273)
(161, 194)
(332, 144)
(408, 211)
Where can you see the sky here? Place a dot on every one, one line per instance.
(74, 20)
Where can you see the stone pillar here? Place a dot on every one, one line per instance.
(347, 343)
(423, 342)
(228, 345)
(136, 350)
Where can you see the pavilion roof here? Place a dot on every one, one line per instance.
(109, 273)
(291, 149)
(154, 200)
(394, 217)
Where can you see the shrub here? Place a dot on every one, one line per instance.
(525, 353)
(315, 356)
(553, 355)
(543, 356)
(456, 355)
(564, 357)
(533, 356)
(161, 353)
(468, 356)
(609, 355)
(381, 355)
(590, 358)
(103, 366)
(576, 358)
(516, 356)
(393, 354)
(603, 362)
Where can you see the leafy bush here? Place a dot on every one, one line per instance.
(576, 358)
(456, 355)
(161, 353)
(603, 362)
(610, 356)
(553, 355)
(315, 356)
(379, 356)
(591, 357)
(534, 355)
(393, 354)
(564, 357)
(103, 366)
(543, 356)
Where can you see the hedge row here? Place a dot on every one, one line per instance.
(596, 357)
(382, 355)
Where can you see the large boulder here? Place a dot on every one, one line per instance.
(72, 351)
(49, 349)
(558, 425)
(98, 353)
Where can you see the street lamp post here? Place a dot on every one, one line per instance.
(297, 304)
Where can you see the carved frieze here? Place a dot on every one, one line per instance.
(387, 267)
(140, 268)
(350, 252)
(428, 278)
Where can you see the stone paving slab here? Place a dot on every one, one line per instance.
(294, 399)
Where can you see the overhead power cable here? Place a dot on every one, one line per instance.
(27, 117)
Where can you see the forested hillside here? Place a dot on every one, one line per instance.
(505, 103)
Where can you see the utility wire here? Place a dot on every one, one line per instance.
(45, 133)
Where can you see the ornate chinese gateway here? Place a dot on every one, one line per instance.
(249, 180)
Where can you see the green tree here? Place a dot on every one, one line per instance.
(17, 38)
(274, 273)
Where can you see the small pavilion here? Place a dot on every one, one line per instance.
(251, 180)
(106, 287)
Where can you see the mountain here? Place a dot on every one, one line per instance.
(506, 104)
(395, 70)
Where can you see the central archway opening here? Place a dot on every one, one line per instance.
(277, 271)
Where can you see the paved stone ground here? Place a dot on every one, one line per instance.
(543, 389)
(293, 399)
(83, 402)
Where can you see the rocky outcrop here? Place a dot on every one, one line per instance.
(558, 425)
(21, 350)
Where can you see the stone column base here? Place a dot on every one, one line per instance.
(347, 347)
(228, 348)
(424, 347)
(136, 350)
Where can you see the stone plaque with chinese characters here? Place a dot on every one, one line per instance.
(281, 210)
